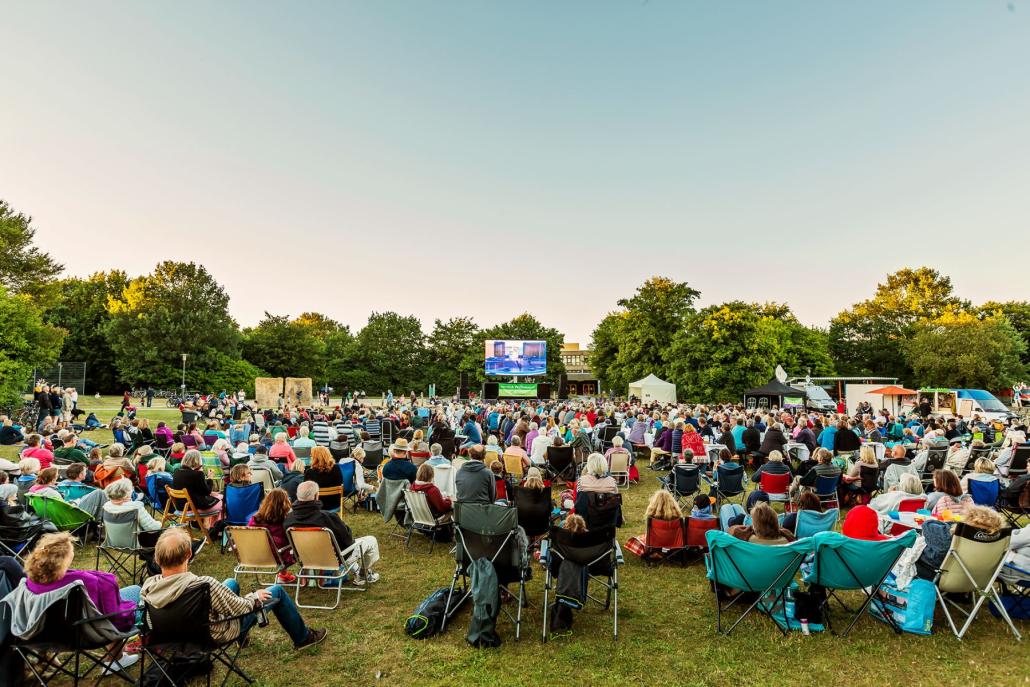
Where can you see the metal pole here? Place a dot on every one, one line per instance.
(184, 373)
(60, 369)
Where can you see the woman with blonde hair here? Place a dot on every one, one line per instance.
(323, 469)
(534, 479)
(983, 471)
(418, 442)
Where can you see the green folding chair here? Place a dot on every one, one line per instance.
(841, 563)
(65, 516)
(761, 573)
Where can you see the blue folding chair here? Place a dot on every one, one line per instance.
(826, 489)
(74, 492)
(762, 573)
(155, 491)
(984, 492)
(810, 522)
(350, 485)
(241, 502)
(841, 563)
(683, 482)
(728, 483)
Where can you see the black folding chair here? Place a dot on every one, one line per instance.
(599, 553)
(181, 632)
(729, 484)
(560, 463)
(534, 510)
(935, 458)
(684, 482)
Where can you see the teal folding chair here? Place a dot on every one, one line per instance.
(761, 573)
(811, 522)
(841, 563)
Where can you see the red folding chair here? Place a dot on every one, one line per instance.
(777, 486)
(695, 531)
(906, 506)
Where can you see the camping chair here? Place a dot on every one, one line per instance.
(339, 448)
(213, 470)
(422, 519)
(841, 563)
(826, 489)
(935, 458)
(188, 513)
(618, 467)
(534, 510)
(373, 457)
(74, 492)
(490, 531)
(183, 629)
(1018, 462)
(605, 436)
(303, 454)
(906, 506)
(559, 463)
(976, 454)
(513, 467)
(264, 478)
(971, 566)
(811, 522)
(727, 514)
(73, 641)
(390, 499)
(162, 446)
(332, 495)
(443, 478)
(765, 572)
(350, 484)
(696, 531)
(777, 487)
(599, 554)
(65, 516)
(984, 492)
(683, 483)
(663, 540)
(240, 504)
(121, 548)
(729, 483)
(869, 481)
(320, 558)
(256, 553)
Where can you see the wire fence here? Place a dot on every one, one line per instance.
(63, 374)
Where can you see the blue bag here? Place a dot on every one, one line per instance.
(911, 609)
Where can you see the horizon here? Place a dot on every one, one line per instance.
(485, 160)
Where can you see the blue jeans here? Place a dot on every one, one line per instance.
(282, 606)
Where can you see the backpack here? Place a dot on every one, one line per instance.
(428, 616)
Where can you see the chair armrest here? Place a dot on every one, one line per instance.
(106, 616)
(619, 558)
(544, 548)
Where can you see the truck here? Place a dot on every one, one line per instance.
(967, 403)
(816, 398)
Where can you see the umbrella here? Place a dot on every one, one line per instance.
(894, 391)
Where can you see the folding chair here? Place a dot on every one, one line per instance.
(599, 554)
(443, 478)
(534, 510)
(264, 478)
(319, 556)
(183, 629)
(121, 548)
(811, 522)
(422, 519)
(729, 483)
(972, 566)
(663, 540)
(764, 572)
(560, 463)
(1018, 462)
(976, 454)
(935, 458)
(869, 483)
(390, 499)
(984, 492)
(187, 514)
(513, 467)
(240, 504)
(841, 563)
(826, 489)
(618, 467)
(683, 483)
(605, 436)
(74, 492)
(65, 516)
(213, 470)
(906, 506)
(72, 641)
(488, 530)
(303, 454)
(154, 494)
(777, 487)
(727, 514)
(256, 553)
(348, 469)
(332, 500)
(695, 533)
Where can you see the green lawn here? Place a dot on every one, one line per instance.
(666, 629)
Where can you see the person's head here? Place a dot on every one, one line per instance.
(984, 518)
(575, 524)
(867, 456)
(51, 558)
(497, 468)
(419, 435)
(281, 437)
(702, 501)
(303, 432)
(898, 452)
(358, 453)
(307, 491)
(775, 456)
(910, 484)
(823, 456)
(516, 441)
(240, 474)
(76, 472)
(596, 465)
(764, 522)
(28, 466)
(116, 450)
(143, 454)
(946, 482)
(274, 508)
(399, 449)
(192, 460)
(435, 450)
(173, 550)
(477, 452)
(425, 473)
(862, 522)
(663, 506)
(46, 476)
(617, 441)
(70, 440)
(119, 490)
(984, 466)
(491, 440)
(534, 479)
(322, 459)
(809, 501)
(178, 448)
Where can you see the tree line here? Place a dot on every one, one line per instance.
(132, 331)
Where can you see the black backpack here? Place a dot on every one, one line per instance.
(428, 617)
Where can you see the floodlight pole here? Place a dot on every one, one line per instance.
(184, 373)
(60, 369)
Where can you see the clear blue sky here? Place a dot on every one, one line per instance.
(540, 156)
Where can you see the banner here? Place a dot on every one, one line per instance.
(516, 390)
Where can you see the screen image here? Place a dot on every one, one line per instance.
(516, 390)
(515, 358)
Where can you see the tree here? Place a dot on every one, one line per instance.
(285, 348)
(523, 326)
(178, 308)
(1018, 314)
(960, 350)
(387, 354)
(451, 348)
(26, 342)
(80, 308)
(23, 267)
(869, 338)
(604, 354)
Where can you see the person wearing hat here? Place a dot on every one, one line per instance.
(400, 466)
(862, 522)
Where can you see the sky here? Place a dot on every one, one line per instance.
(486, 159)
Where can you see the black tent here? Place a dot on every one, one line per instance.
(775, 393)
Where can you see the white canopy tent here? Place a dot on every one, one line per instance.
(650, 388)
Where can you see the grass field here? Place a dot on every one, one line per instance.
(666, 632)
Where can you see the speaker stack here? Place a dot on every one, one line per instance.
(563, 387)
(463, 386)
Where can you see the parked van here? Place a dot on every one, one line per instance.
(983, 403)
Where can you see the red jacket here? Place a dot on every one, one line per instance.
(438, 503)
(695, 443)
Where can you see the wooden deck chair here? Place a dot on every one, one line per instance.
(187, 514)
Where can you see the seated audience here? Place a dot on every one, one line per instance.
(323, 469)
(764, 528)
(270, 516)
(474, 482)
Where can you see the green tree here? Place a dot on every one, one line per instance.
(451, 348)
(178, 308)
(1018, 314)
(231, 374)
(387, 354)
(23, 266)
(26, 342)
(286, 348)
(868, 339)
(523, 326)
(604, 354)
(960, 350)
(80, 308)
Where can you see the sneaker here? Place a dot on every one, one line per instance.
(286, 577)
(121, 664)
(314, 637)
(372, 577)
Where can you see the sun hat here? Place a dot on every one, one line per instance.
(400, 445)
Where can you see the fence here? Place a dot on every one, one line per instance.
(62, 374)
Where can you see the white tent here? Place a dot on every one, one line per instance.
(650, 388)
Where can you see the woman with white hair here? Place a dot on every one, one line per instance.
(597, 498)
(618, 446)
(221, 448)
(119, 500)
(909, 487)
(595, 476)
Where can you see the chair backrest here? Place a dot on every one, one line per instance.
(65, 516)
(686, 479)
(775, 484)
(254, 546)
(731, 480)
(911, 505)
(61, 627)
(665, 534)
(347, 473)
(753, 567)
(73, 492)
(844, 563)
(418, 506)
(242, 502)
(811, 522)
(619, 462)
(977, 552)
(534, 509)
(870, 477)
(559, 457)
(189, 441)
(184, 621)
(484, 530)
(443, 478)
(984, 492)
(583, 548)
(826, 485)
(697, 530)
(935, 458)
(121, 529)
(316, 547)
(373, 457)
(513, 465)
(331, 498)
(1018, 462)
(263, 477)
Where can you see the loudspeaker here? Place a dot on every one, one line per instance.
(543, 391)
(463, 393)
(490, 390)
(463, 379)
(563, 386)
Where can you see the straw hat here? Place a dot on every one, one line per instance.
(400, 445)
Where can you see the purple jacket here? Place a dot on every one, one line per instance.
(101, 588)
